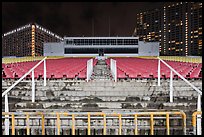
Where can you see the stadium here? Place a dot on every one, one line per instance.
(101, 93)
(102, 79)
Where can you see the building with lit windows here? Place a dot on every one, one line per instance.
(27, 40)
(178, 26)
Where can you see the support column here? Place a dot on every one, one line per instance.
(45, 72)
(171, 86)
(6, 122)
(115, 69)
(158, 72)
(199, 132)
(33, 87)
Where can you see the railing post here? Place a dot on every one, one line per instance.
(58, 123)
(171, 86)
(136, 128)
(151, 124)
(13, 124)
(104, 124)
(73, 124)
(33, 87)
(158, 72)
(43, 124)
(120, 124)
(184, 123)
(167, 125)
(27, 124)
(45, 72)
(89, 124)
(6, 122)
(199, 116)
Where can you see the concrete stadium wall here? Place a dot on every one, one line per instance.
(144, 49)
(148, 48)
(53, 49)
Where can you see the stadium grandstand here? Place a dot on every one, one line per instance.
(82, 88)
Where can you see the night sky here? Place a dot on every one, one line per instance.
(76, 19)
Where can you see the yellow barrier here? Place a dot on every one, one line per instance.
(58, 124)
(194, 120)
(104, 124)
(27, 124)
(13, 124)
(73, 124)
(104, 116)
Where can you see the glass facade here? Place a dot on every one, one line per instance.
(102, 41)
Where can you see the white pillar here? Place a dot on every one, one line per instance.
(33, 87)
(91, 66)
(115, 70)
(111, 67)
(89, 70)
(158, 72)
(6, 122)
(198, 127)
(45, 72)
(171, 86)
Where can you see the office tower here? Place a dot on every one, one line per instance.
(178, 26)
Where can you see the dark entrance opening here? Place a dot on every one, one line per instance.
(101, 52)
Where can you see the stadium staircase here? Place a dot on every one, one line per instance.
(101, 71)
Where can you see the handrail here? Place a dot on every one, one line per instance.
(12, 86)
(194, 121)
(199, 91)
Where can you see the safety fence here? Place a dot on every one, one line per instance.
(95, 123)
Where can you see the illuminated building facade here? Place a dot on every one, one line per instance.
(178, 26)
(27, 40)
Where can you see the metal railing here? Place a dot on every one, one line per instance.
(89, 117)
(196, 129)
(171, 86)
(33, 89)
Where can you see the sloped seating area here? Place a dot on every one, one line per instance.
(147, 68)
(69, 68)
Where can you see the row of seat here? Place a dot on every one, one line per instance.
(56, 68)
(148, 68)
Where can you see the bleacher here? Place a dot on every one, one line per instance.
(69, 68)
(148, 68)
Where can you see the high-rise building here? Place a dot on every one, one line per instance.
(27, 40)
(178, 26)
